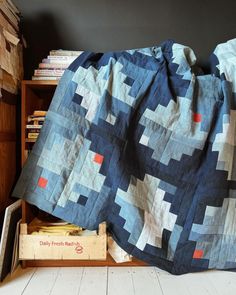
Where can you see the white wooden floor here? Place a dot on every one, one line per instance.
(116, 281)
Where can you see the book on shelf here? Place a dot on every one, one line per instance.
(39, 113)
(35, 119)
(35, 122)
(53, 66)
(33, 135)
(57, 59)
(44, 78)
(53, 73)
(31, 130)
(32, 126)
(61, 58)
(32, 140)
(65, 52)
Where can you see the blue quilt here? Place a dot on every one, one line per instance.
(143, 140)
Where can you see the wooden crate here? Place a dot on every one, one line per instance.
(32, 247)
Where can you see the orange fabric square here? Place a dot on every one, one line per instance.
(98, 158)
(197, 118)
(198, 254)
(42, 182)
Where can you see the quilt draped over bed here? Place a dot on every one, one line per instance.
(143, 140)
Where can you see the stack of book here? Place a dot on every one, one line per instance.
(53, 67)
(34, 125)
(11, 67)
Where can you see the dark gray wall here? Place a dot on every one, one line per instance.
(104, 25)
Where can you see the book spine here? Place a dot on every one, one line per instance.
(39, 113)
(53, 66)
(33, 135)
(56, 61)
(31, 139)
(43, 78)
(61, 58)
(66, 52)
(33, 126)
(31, 130)
(35, 119)
(36, 122)
(48, 73)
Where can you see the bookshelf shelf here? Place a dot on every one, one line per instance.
(40, 83)
(37, 95)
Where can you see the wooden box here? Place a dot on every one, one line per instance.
(45, 247)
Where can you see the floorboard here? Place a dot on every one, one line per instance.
(16, 283)
(223, 281)
(120, 281)
(94, 281)
(68, 281)
(198, 283)
(42, 281)
(145, 281)
(116, 281)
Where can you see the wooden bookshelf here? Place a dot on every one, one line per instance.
(34, 95)
(37, 95)
(8, 151)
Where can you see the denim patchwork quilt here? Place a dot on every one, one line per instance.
(143, 140)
